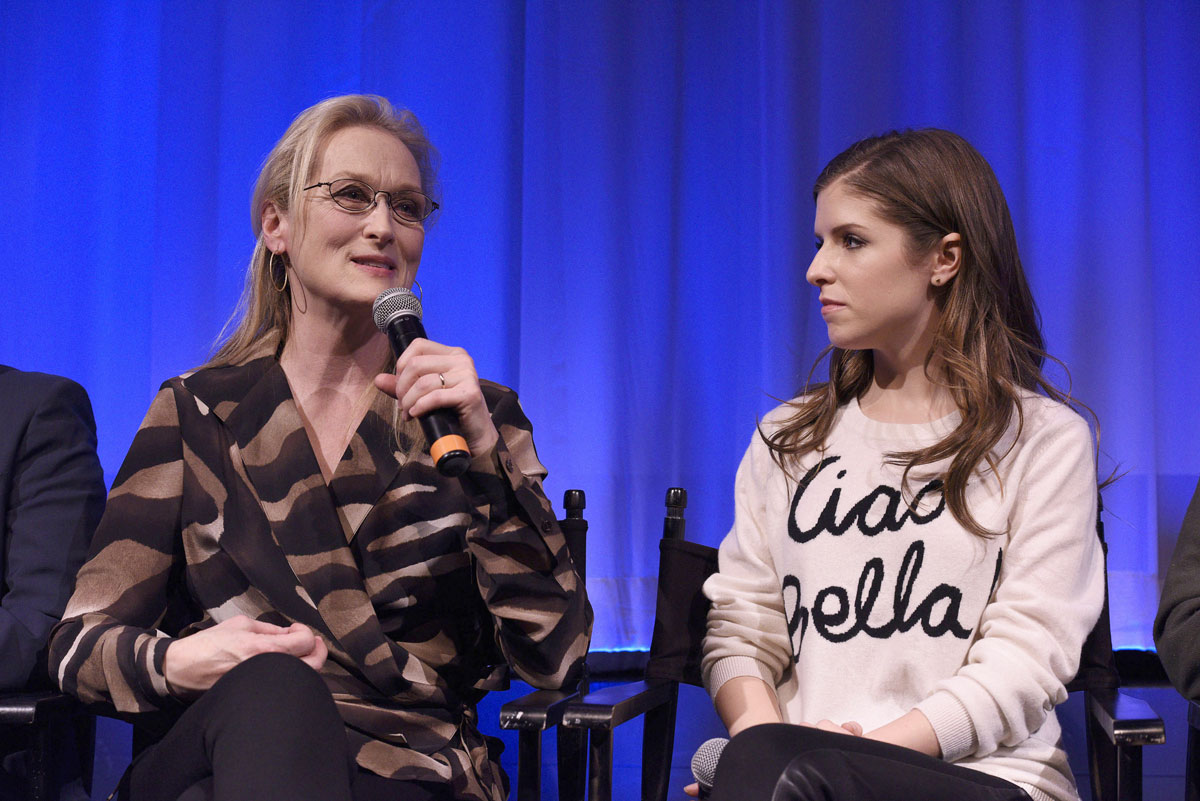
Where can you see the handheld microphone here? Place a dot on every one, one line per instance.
(704, 763)
(397, 313)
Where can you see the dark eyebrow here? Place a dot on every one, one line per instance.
(844, 228)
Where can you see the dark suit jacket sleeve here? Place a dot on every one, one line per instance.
(1177, 626)
(56, 496)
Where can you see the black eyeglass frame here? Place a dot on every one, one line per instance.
(433, 205)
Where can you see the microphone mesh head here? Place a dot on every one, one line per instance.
(704, 761)
(392, 303)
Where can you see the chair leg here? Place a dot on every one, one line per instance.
(572, 763)
(529, 765)
(41, 759)
(658, 738)
(1102, 762)
(1116, 770)
(1192, 775)
(600, 765)
(85, 746)
(1129, 773)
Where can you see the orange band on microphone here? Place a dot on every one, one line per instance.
(448, 443)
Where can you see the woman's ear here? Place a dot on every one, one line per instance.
(947, 260)
(275, 228)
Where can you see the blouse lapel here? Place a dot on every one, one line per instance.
(271, 448)
(370, 464)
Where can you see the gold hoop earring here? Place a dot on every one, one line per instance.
(280, 288)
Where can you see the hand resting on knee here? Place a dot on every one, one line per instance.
(194, 663)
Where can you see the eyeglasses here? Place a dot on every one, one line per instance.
(407, 205)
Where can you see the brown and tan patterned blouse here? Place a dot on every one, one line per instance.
(425, 588)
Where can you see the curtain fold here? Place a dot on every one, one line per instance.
(627, 214)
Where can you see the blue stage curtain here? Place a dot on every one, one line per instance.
(627, 213)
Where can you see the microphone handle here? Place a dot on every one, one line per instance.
(447, 445)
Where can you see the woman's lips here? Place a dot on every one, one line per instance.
(376, 265)
(828, 307)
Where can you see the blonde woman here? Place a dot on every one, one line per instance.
(283, 585)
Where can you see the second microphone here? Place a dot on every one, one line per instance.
(397, 313)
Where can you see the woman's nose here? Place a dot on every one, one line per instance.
(818, 269)
(379, 218)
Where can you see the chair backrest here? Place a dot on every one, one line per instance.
(681, 613)
(574, 528)
(1097, 664)
(681, 608)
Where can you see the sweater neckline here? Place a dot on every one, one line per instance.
(912, 433)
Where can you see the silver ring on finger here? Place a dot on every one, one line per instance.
(442, 378)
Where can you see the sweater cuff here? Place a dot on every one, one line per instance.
(951, 724)
(732, 667)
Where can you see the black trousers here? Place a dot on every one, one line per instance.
(784, 762)
(268, 730)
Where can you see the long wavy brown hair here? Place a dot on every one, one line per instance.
(262, 319)
(988, 344)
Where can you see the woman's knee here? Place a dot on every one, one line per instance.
(269, 720)
(273, 678)
(749, 745)
(759, 757)
(766, 743)
(752, 760)
(278, 692)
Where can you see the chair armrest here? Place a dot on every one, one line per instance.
(612, 706)
(538, 710)
(22, 708)
(1125, 719)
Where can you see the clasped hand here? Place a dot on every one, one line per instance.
(194, 663)
(431, 376)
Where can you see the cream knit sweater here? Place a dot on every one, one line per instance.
(856, 607)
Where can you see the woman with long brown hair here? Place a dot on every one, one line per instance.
(913, 565)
